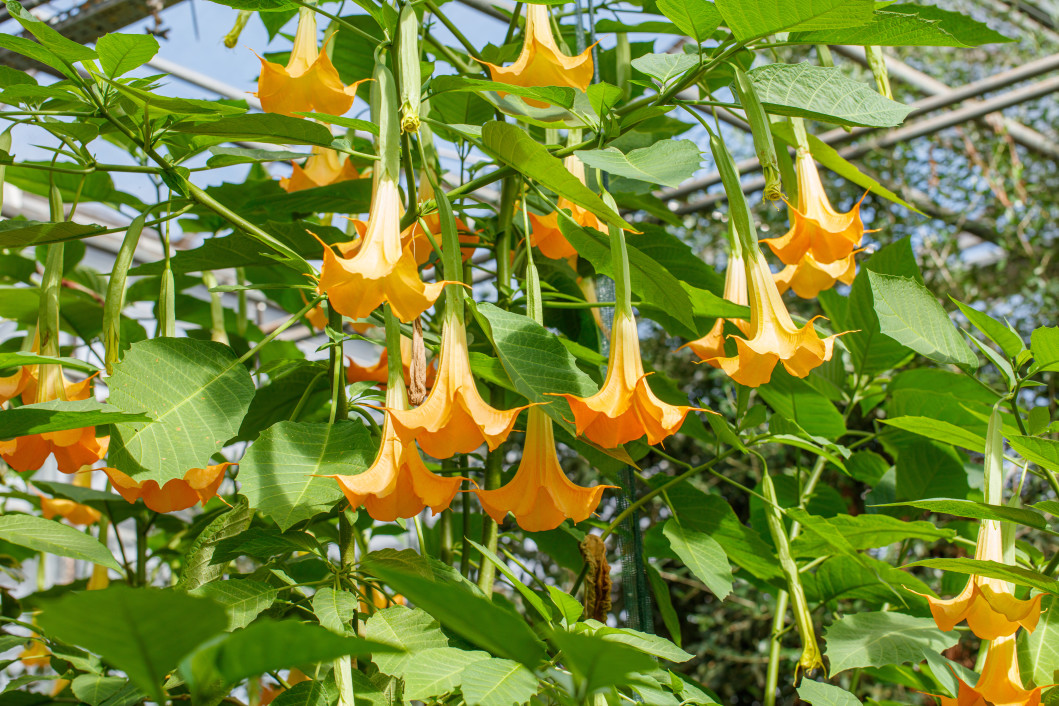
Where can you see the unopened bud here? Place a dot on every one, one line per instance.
(759, 128)
(384, 114)
(115, 300)
(877, 64)
(411, 74)
(232, 38)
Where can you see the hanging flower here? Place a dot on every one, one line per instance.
(542, 62)
(1000, 683)
(12, 385)
(378, 270)
(309, 82)
(73, 512)
(324, 166)
(454, 418)
(72, 448)
(197, 485)
(416, 240)
(988, 605)
(398, 483)
(818, 228)
(545, 233)
(540, 496)
(711, 346)
(808, 278)
(625, 408)
(378, 372)
(773, 337)
(36, 655)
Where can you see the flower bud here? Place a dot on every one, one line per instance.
(384, 113)
(408, 65)
(759, 128)
(877, 64)
(232, 38)
(115, 300)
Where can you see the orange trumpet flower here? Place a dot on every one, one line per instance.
(197, 485)
(72, 448)
(73, 512)
(416, 240)
(542, 62)
(1000, 683)
(625, 408)
(454, 418)
(540, 496)
(12, 385)
(711, 346)
(379, 270)
(398, 483)
(324, 166)
(545, 232)
(988, 605)
(773, 336)
(818, 228)
(309, 82)
(808, 278)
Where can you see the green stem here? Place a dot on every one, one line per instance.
(339, 408)
(280, 329)
(490, 529)
(772, 677)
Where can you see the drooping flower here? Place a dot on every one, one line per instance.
(324, 166)
(988, 605)
(625, 408)
(454, 418)
(711, 346)
(542, 62)
(1000, 683)
(545, 233)
(309, 82)
(818, 228)
(398, 483)
(72, 448)
(36, 655)
(197, 485)
(12, 385)
(73, 512)
(808, 278)
(416, 240)
(773, 337)
(378, 372)
(540, 496)
(378, 270)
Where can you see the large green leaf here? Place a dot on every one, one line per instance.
(927, 469)
(556, 95)
(497, 682)
(825, 94)
(142, 631)
(55, 538)
(894, 28)
(20, 234)
(665, 67)
(10, 360)
(335, 609)
(58, 415)
(1043, 452)
(195, 391)
(881, 639)
(48, 36)
(1003, 335)
(909, 313)
(869, 531)
(995, 570)
(968, 31)
(200, 566)
(749, 19)
(472, 617)
(1044, 343)
(245, 599)
(279, 474)
(597, 662)
(696, 18)
(799, 402)
(822, 694)
(121, 53)
(979, 511)
(271, 128)
(938, 430)
(437, 671)
(410, 629)
(514, 147)
(1039, 650)
(702, 554)
(666, 162)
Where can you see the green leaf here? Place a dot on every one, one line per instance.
(881, 639)
(695, 18)
(667, 162)
(93, 689)
(642, 641)
(121, 53)
(470, 616)
(750, 19)
(412, 630)
(55, 538)
(10, 360)
(869, 531)
(1043, 452)
(821, 694)
(335, 609)
(35, 51)
(21, 234)
(994, 570)
(797, 401)
(351, 123)
(1001, 334)
(58, 415)
(199, 564)
(271, 128)
(227, 156)
(910, 314)
(497, 682)
(665, 67)
(1044, 344)
(323, 692)
(939, 430)
(527, 593)
(244, 599)
(160, 105)
(823, 93)
(436, 671)
(60, 46)
(598, 663)
(887, 29)
(1039, 650)
(195, 391)
(965, 29)
(927, 469)
(513, 146)
(279, 474)
(703, 556)
(265, 646)
(142, 631)
(555, 95)
(660, 590)
(569, 607)
(978, 511)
